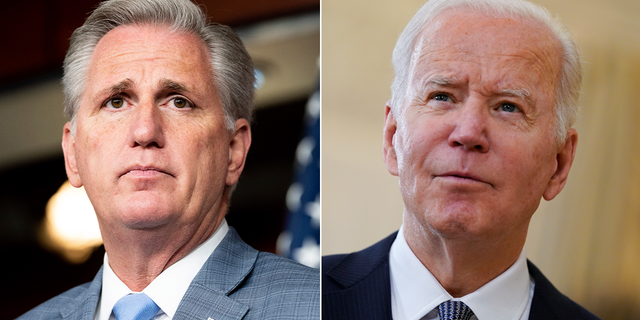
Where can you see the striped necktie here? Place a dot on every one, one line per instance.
(453, 310)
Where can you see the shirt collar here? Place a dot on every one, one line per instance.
(506, 296)
(169, 287)
(415, 291)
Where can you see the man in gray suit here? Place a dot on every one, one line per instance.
(159, 103)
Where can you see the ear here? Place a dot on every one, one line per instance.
(69, 150)
(388, 142)
(564, 159)
(238, 149)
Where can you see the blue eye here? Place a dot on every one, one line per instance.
(441, 97)
(508, 107)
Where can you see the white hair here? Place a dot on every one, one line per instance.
(568, 90)
(232, 68)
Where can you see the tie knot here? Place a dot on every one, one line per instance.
(135, 306)
(453, 310)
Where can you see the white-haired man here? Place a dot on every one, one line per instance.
(478, 130)
(160, 102)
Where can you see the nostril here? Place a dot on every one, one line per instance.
(151, 144)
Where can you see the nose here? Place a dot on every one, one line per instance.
(470, 129)
(147, 127)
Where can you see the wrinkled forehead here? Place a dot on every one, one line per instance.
(468, 31)
(126, 53)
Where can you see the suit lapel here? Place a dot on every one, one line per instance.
(364, 277)
(208, 296)
(84, 306)
(203, 303)
(548, 303)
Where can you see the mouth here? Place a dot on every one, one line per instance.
(462, 177)
(144, 171)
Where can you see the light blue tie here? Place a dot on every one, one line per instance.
(453, 310)
(135, 306)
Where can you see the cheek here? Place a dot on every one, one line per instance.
(206, 149)
(101, 132)
(407, 153)
(528, 167)
(420, 150)
(90, 150)
(414, 159)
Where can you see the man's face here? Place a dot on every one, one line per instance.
(474, 146)
(151, 147)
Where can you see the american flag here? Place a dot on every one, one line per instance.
(300, 240)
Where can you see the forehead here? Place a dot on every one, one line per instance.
(491, 43)
(145, 52)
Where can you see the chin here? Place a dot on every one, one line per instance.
(145, 217)
(461, 219)
(143, 224)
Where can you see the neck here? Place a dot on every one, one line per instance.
(463, 264)
(137, 257)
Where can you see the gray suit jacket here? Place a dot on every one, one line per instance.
(236, 282)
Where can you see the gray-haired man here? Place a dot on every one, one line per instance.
(478, 130)
(159, 103)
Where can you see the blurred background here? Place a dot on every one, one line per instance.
(587, 240)
(44, 256)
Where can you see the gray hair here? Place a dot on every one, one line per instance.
(568, 90)
(232, 68)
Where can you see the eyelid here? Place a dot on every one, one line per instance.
(124, 98)
(518, 107)
(120, 95)
(439, 93)
(174, 96)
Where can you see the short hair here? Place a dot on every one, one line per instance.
(232, 67)
(568, 89)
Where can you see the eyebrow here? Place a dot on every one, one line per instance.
(518, 93)
(439, 80)
(127, 84)
(432, 82)
(453, 81)
(119, 87)
(174, 86)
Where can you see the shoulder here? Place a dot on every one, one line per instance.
(51, 308)
(549, 303)
(279, 288)
(357, 285)
(344, 270)
(263, 269)
(290, 275)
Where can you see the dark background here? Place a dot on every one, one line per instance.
(35, 38)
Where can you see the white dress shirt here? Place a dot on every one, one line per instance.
(168, 288)
(416, 294)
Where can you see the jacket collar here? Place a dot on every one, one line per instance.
(84, 305)
(223, 273)
(208, 294)
(364, 278)
(549, 303)
(357, 266)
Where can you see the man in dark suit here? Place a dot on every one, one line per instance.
(478, 130)
(159, 103)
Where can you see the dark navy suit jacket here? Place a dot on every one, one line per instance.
(357, 286)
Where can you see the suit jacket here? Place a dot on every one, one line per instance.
(236, 282)
(357, 286)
